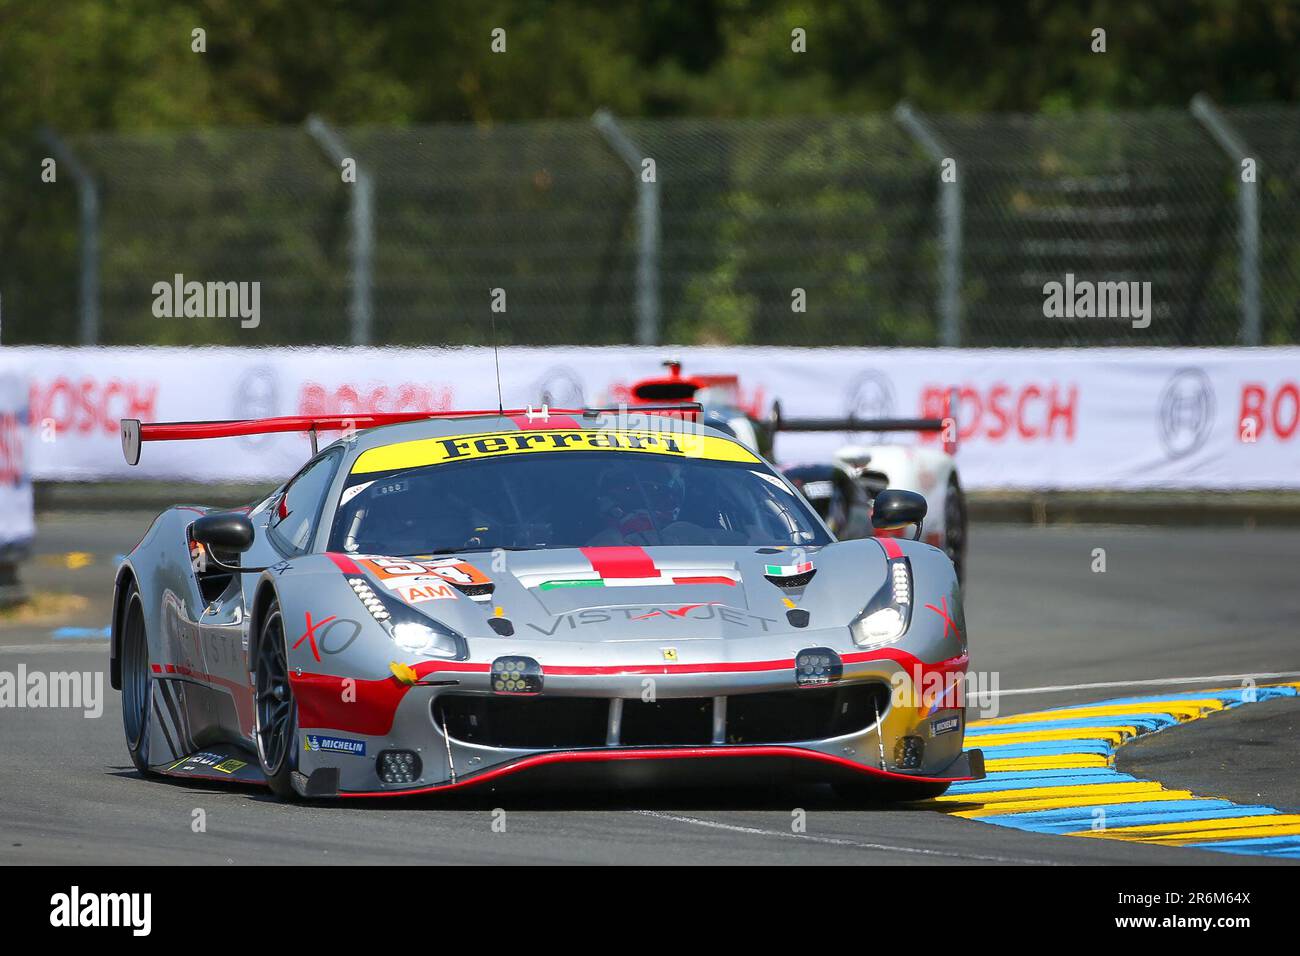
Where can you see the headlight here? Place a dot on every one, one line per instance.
(887, 624)
(409, 629)
(416, 637)
(361, 588)
(887, 615)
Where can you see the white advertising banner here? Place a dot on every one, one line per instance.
(1028, 418)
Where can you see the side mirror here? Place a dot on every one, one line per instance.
(895, 508)
(229, 531)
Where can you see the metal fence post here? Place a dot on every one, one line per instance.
(363, 227)
(647, 273)
(949, 223)
(1232, 143)
(88, 240)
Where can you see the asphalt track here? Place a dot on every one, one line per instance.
(1172, 603)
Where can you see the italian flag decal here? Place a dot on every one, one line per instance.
(787, 570)
(629, 567)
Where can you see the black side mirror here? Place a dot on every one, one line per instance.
(895, 508)
(229, 531)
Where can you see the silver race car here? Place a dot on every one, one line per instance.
(443, 601)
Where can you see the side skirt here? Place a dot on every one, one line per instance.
(225, 762)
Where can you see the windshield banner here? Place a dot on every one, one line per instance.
(676, 443)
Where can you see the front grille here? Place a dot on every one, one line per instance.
(569, 723)
(672, 722)
(526, 723)
(810, 714)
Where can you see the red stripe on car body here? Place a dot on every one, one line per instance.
(892, 550)
(343, 562)
(622, 561)
(322, 703)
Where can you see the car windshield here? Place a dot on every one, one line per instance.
(574, 499)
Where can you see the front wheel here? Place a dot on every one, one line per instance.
(277, 714)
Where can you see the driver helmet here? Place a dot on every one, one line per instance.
(650, 494)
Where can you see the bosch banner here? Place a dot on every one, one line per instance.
(1027, 419)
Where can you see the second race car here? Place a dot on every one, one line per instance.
(843, 486)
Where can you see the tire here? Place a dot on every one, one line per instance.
(137, 686)
(888, 791)
(955, 525)
(276, 727)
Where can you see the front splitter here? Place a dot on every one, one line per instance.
(687, 765)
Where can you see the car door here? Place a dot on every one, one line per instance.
(290, 518)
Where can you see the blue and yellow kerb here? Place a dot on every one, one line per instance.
(1053, 771)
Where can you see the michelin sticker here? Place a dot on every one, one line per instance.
(318, 743)
(947, 725)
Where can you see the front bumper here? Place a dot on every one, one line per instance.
(665, 765)
(892, 734)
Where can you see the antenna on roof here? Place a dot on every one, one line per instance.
(496, 359)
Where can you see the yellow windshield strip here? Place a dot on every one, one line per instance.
(437, 451)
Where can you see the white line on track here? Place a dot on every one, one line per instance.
(836, 841)
(1170, 681)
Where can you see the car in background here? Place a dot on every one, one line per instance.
(843, 487)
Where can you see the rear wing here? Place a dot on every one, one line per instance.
(135, 432)
(947, 425)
